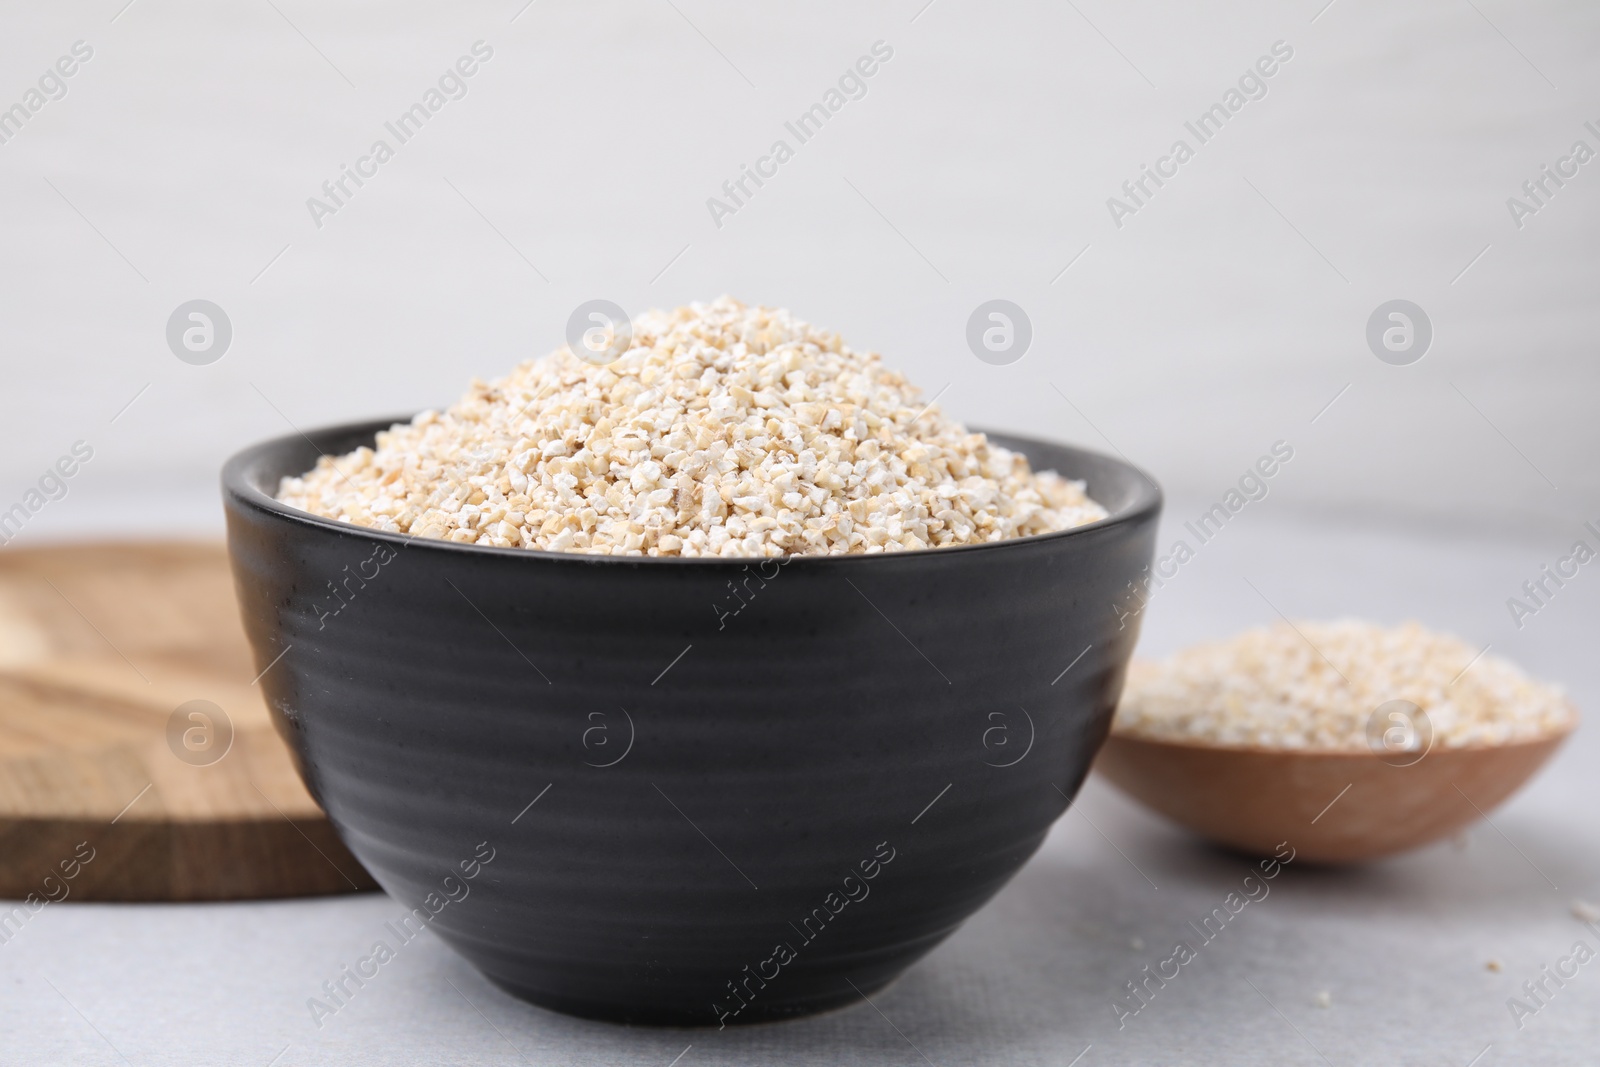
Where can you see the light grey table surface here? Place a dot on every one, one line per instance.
(1401, 948)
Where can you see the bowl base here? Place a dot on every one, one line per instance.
(686, 1018)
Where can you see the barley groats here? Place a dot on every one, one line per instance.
(722, 430)
(1315, 686)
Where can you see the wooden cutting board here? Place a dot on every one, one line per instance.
(132, 733)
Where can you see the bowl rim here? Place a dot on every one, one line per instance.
(238, 488)
(1344, 753)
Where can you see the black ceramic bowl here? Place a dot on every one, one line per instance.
(688, 791)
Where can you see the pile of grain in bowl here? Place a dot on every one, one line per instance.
(723, 430)
(1272, 687)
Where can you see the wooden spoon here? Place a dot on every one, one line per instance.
(1331, 807)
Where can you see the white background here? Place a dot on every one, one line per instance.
(1191, 339)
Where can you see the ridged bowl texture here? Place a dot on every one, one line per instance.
(680, 791)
